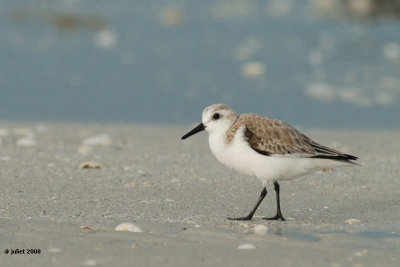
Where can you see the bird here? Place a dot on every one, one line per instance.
(268, 149)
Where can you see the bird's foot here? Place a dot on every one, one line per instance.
(247, 218)
(276, 217)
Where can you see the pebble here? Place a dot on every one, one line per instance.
(97, 140)
(128, 227)
(246, 246)
(91, 165)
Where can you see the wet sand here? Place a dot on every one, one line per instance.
(180, 196)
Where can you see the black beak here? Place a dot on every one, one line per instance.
(197, 129)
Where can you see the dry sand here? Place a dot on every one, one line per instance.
(180, 196)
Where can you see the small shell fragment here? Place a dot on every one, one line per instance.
(91, 165)
(246, 246)
(352, 221)
(128, 227)
(26, 142)
(260, 229)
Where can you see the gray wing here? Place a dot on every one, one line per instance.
(269, 136)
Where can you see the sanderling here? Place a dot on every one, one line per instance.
(265, 148)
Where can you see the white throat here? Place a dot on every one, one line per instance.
(217, 139)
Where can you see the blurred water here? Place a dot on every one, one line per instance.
(331, 63)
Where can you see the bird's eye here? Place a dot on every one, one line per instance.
(216, 116)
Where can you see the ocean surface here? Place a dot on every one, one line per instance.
(313, 63)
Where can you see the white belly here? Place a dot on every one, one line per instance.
(242, 158)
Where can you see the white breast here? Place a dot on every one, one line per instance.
(239, 156)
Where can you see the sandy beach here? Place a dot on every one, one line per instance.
(180, 197)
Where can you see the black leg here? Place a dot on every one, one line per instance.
(248, 217)
(278, 205)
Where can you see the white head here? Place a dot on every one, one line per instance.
(218, 117)
(215, 118)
